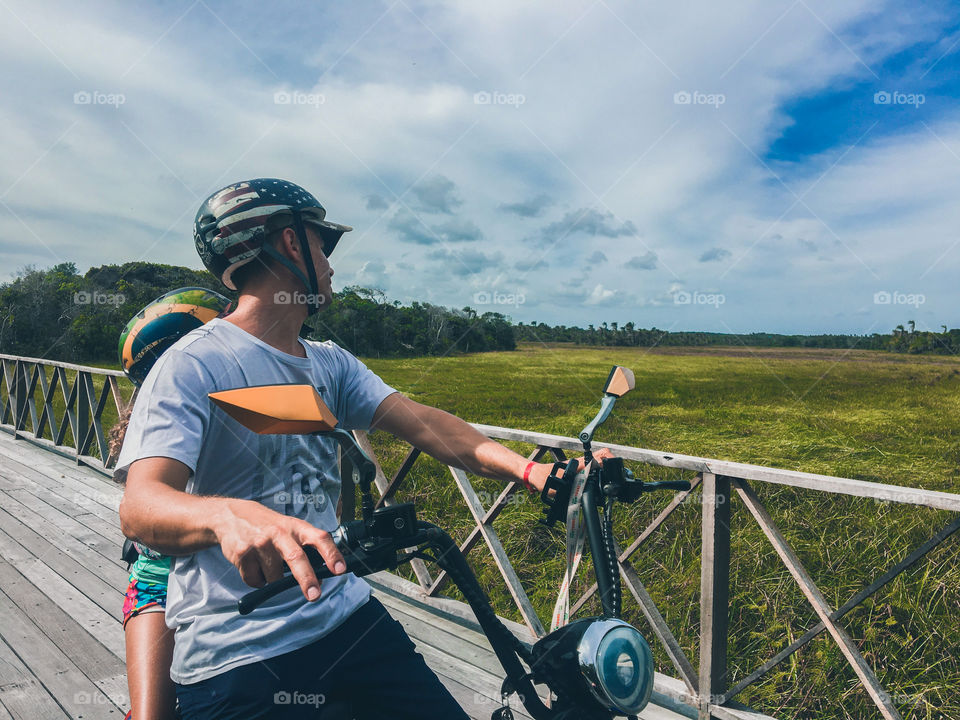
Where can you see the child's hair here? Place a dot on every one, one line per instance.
(117, 433)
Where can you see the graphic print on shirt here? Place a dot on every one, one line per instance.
(298, 475)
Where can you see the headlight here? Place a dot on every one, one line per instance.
(617, 662)
(601, 662)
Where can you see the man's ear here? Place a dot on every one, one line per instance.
(288, 245)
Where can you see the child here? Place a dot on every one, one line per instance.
(148, 639)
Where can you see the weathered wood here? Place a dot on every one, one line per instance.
(714, 591)
(57, 464)
(74, 691)
(820, 605)
(492, 540)
(69, 419)
(809, 481)
(455, 610)
(31, 405)
(64, 560)
(659, 625)
(489, 516)
(418, 566)
(82, 413)
(48, 390)
(104, 625)
(23, 697)
(102, 554)
(390, 490)
(82, 648)
(918, 553)
(20, 394)
(64, 365)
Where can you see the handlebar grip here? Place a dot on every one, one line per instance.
(255, 598)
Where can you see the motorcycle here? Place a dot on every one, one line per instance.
(595, 668)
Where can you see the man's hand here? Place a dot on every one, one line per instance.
(258, 541)
(540, 472)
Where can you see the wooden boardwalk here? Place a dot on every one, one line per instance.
(62, 588)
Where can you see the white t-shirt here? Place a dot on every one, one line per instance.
(293, 474)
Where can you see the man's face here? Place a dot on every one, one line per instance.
(321, 265)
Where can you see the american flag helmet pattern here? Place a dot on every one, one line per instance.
(231, 225)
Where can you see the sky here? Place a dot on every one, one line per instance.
(746, 166)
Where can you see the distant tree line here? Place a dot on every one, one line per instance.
(906, 340)
(59, 314)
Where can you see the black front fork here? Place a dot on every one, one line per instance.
(601, 549)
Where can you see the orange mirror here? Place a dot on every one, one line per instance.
(277, 409)
(620, 381)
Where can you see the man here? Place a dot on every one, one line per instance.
(233, 506)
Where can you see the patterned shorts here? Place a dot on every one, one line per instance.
(144, 597)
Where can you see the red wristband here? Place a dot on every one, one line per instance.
(526, 476)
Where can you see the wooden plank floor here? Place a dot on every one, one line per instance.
(62, 585)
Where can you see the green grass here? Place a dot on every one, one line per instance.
(873, 416)
(868, 415)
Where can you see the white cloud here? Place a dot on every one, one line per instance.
(598, 131)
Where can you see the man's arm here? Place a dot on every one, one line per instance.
(157, 511)
(455, 442)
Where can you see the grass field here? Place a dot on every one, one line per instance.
(866, 415)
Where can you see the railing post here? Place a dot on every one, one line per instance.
(83, 413)
(714, 591)
(20, 397)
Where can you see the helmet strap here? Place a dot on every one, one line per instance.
(313, 303)
(310, 279)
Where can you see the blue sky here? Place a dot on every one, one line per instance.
(746, 166)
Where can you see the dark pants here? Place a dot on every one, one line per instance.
(367, 662)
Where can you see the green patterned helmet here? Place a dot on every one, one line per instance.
(161, 323)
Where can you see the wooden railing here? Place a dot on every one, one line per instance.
(707, 686)
(82, 413)
(716, 482)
